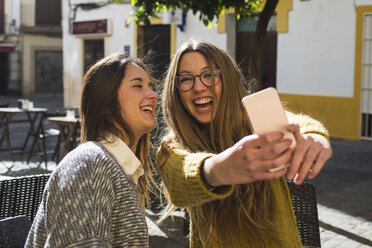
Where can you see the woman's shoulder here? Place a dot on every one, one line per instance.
(89, 156)
(170, 141)
(86, 151)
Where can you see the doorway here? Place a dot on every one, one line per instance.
(245, 32)
(154, 46)
(48, 72)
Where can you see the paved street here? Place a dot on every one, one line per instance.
(344, 190)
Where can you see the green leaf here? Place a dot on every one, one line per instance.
(207, 9)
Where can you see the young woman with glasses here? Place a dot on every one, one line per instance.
(96, 196)
(212, 165)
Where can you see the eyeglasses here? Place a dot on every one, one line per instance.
(186, 82)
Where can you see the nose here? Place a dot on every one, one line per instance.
(152, 94)
(198, 85)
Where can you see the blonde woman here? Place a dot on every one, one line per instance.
(212, 165)
(97, 194)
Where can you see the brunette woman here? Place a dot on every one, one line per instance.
(97, 194)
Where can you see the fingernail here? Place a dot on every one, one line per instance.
(290, 176)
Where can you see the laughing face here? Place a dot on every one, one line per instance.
(199, 101)
(137, 100)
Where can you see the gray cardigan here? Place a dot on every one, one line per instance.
(89, 202)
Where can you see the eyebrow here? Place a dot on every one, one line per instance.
(136, 79)
(186, 71)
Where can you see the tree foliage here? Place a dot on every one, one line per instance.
(208, 9)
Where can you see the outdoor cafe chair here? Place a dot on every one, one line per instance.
(21, 195)
(42, 134)
(304, 205)
(20, 198)
(14, 231)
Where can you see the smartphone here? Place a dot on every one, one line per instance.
(266, 114)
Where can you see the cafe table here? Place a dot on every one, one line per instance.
(6, 119)
(69, 129)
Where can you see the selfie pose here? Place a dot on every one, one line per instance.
(97, 194)
(214, 166)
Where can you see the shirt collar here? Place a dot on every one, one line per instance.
(124, 156)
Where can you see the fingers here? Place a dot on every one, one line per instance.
(266, 175)
(295, 129)
(273, 165)
(267, 151)
(309, 158)
(324, 155)
(255, 141)
(238, 165)
(298, 157)
(272, 169)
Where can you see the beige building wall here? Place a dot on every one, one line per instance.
(28, 12)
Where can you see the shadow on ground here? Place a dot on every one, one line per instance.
(345, 182)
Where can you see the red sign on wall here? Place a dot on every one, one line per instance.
(97, 27)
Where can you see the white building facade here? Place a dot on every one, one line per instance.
(324, 64)
(117, 36)
(323, 67)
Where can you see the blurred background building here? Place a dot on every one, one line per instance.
(30, 47)
(317, 53)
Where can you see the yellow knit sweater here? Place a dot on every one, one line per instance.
(180, 173)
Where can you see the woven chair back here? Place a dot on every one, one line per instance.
(14, 231)
(21, 196)
(305, 208)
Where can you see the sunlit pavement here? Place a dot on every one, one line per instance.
(344, 191)
(338, 229)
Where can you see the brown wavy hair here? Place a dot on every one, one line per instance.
(100, 112)
(250, 206)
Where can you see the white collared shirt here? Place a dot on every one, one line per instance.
(125, 157)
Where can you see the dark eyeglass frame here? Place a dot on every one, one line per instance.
(199, 76)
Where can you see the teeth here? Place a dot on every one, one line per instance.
(147, 108)
(203, 100)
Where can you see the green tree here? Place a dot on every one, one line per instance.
(211, 9)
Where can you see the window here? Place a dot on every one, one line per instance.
(48, 13)
(93, 51)
(2, 17)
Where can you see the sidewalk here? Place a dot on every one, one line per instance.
(344, 191)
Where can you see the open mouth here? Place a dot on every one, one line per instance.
(148, 109)
(203, 103)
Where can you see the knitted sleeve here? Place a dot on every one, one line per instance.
(180, 171)
(76, 207)
(307, 124)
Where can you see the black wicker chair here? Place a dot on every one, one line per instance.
(14, 231)
(305, 208)
(21, 196)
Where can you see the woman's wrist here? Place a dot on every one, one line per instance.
(319, 138)
(207, 172)
(204, 180)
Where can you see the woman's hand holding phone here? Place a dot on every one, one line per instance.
(265, 154)
(250, 159)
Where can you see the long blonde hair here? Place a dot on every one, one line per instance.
(100, 112)
(250, 206)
